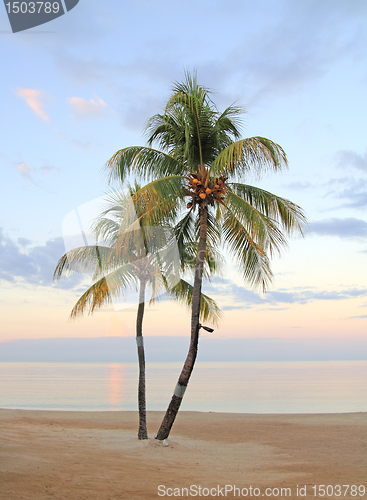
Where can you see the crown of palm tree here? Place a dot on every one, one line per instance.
(199, 162)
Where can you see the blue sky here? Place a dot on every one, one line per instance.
(77, 89)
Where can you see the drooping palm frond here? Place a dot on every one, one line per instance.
(138, 223)
(228, 124)
(252, 155)
(289, 215)
(171, 133)
(261, 228)
(102, 291)
(89, 259)
(213, 260)
(209, 310)
(161, 198)
(249, 256)
(144, 162)
(186, 234)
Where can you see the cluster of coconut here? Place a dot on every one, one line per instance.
(208, 189)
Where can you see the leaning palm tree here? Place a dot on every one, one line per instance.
(199, 165)
(134, 255)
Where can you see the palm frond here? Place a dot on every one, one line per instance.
(252, 155)
(209, 310)
(228, 124)
(261, 228)
(249, 255)
(290, 216)
(102, 291)
(143, 162)
(88, 259)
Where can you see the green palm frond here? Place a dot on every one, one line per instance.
(162, 198)
(143, 162)
(213, 261)
(209, 310)
(139, 221)
(250, 257)
(290, 216)
(89, 259)
(228, 124)
(102, 291)
(261, 228)
(251, 155)
(186, 234)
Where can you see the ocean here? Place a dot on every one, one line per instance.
(241, 387)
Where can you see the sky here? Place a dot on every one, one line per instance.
(77, 89)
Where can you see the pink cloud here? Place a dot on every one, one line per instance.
(24, 170)
(94, 108)
(28, 173)
(35, 100)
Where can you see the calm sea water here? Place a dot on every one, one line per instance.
(245, 387)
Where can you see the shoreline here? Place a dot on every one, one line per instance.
(182, 412)
(94, 455)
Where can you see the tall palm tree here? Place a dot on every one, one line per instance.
(198, 165)
(135, 254)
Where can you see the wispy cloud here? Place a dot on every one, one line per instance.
(28, 173)
(346, 158)
(299, 44)
(299, 185)
(94, 108)
(35, 265)
(82, 145)
(349, 227)
(35, 100)
(48, 169)
(225, 290)
(351, 189)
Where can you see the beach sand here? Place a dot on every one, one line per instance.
(96, 455)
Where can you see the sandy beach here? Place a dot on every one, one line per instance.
(96, 455)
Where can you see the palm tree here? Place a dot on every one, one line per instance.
(198, 165)
(134, 254)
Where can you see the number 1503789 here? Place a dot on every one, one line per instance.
(338, 490)
(33, 7)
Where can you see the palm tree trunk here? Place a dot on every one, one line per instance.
(184, 378)
(142, 434)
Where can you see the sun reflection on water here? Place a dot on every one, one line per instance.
(116, 385)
